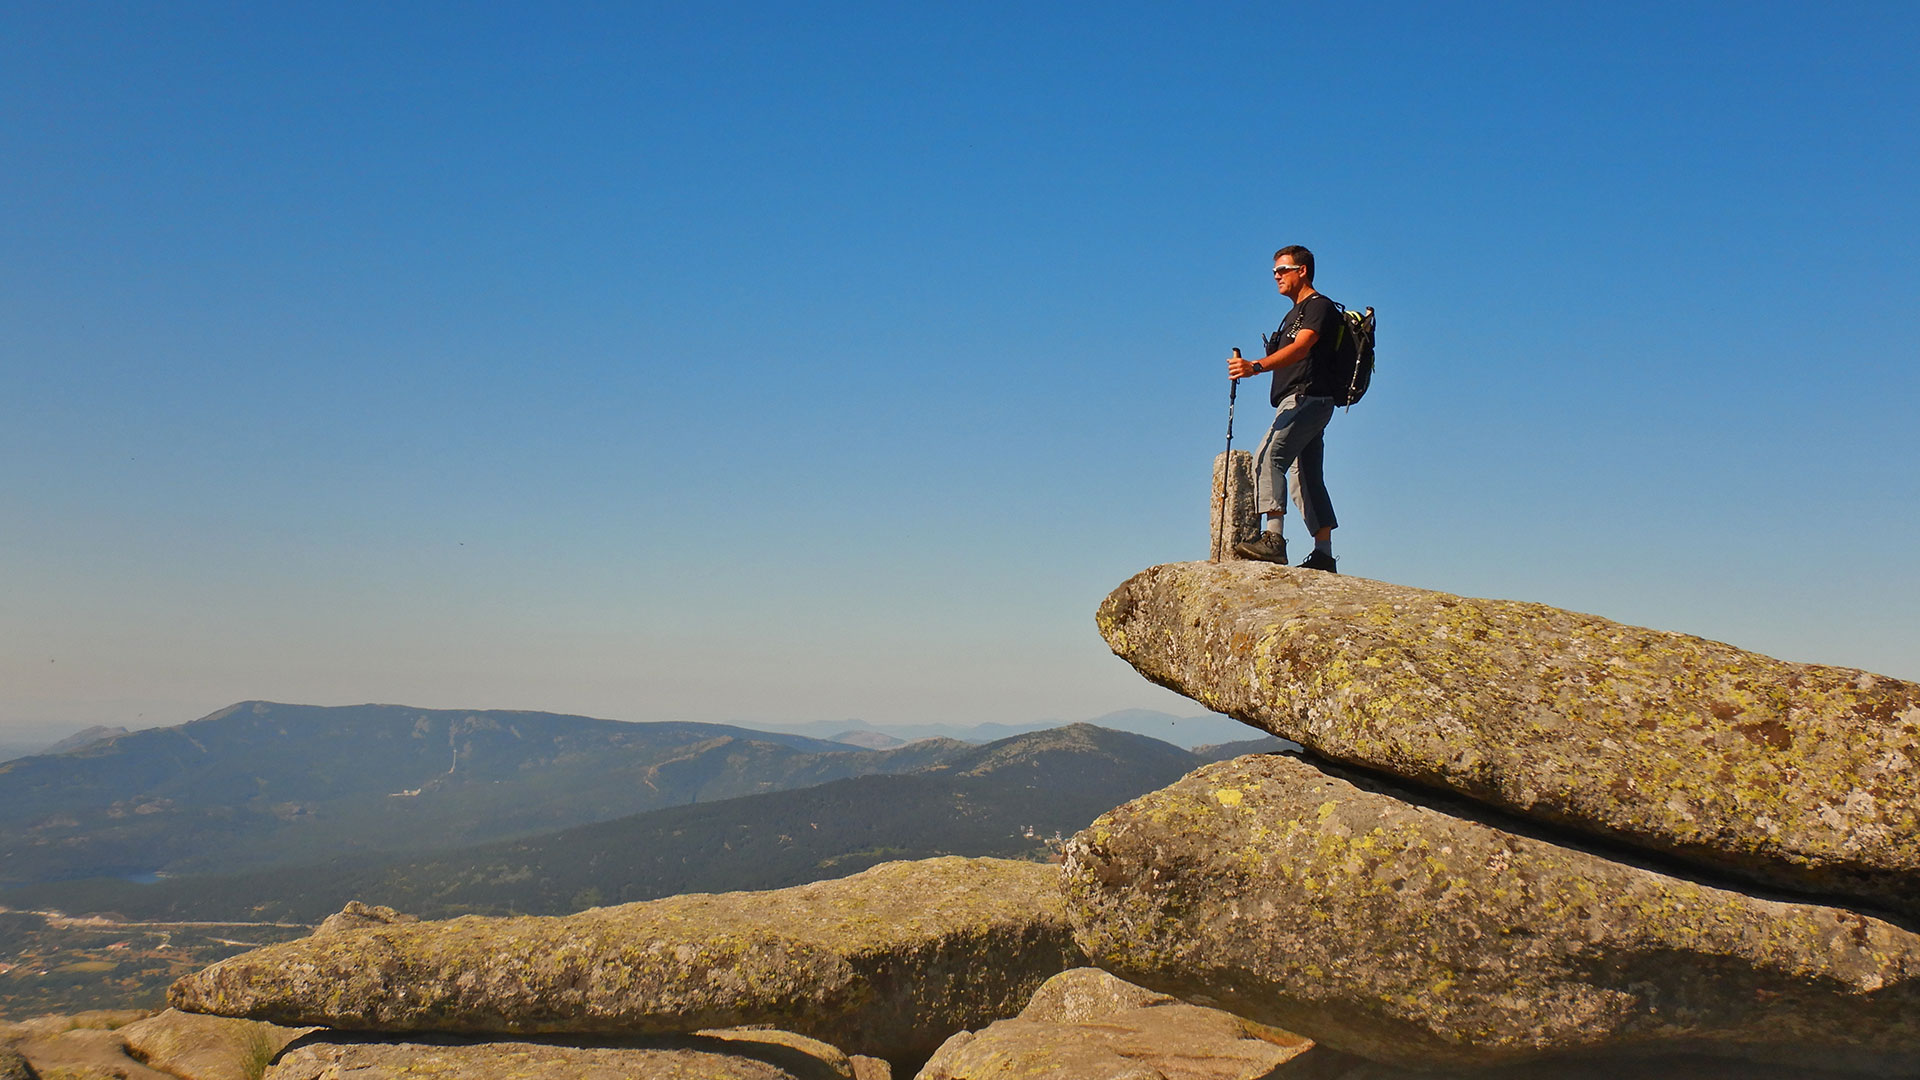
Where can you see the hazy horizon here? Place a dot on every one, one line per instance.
(1194, 727)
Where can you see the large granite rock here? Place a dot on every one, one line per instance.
(34, 1027)
(1424, 937)
(887, 962)
(1087, 1025)
(195, 1047)
(83, 1054)
(359, 916)
(768, 1055)
(1798, 775)
(1088, 995)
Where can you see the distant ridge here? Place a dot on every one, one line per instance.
(1186, 732)
(262, 783)
(84, 737)
(872, 740)
(1007, 798)
(1268, 744)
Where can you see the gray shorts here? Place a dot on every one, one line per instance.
(1296, 449)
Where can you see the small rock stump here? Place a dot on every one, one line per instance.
(1234, 516)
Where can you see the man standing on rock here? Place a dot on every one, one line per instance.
(1303, 366)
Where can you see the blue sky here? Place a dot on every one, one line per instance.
(779, 363)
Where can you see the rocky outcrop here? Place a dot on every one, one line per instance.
(83, 1054)
(35, 1027)
(1235, 517)
(1796, 775)
(1088, 995)
(359, 916)
(1522, 843)
(1422, 935)
(715, 1055)
(71, 1046)
(1087, 1025)
(886, 963)
(194, 1047)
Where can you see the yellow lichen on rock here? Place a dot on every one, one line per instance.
(886, 962)
(1795, 775)
(1347, 910)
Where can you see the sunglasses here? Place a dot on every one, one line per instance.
(1278, 270)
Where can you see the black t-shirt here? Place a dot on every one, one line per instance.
(1314, 373)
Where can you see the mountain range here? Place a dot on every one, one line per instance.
(260, 784)
(1185, 731)
(244, 825)
(1011, 798)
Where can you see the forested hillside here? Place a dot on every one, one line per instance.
(261, 784)
(1005, 798)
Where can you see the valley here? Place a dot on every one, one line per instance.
(721, 811)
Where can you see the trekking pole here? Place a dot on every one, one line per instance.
(1226, 467)
(1233, 391)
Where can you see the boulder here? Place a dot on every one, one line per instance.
(1795, 775)
(782, 1045)
(757, 1055)
(359, 916)
(1089, 995)
(887, 963)
(195, 1047)
(55, 1023)
(1428, 934)
(84, 1054)
(1087, 1025)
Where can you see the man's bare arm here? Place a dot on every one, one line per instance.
(1292, 352)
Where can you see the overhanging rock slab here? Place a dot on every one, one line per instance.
(1798, 775)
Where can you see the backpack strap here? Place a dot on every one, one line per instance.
(1340, 316)
(1273, 341)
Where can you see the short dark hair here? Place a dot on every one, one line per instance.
(1300, 257)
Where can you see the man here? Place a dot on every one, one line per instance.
(1302, 362)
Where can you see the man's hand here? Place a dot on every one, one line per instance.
(1241, 368)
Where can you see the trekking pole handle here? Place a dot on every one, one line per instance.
(1233, 391)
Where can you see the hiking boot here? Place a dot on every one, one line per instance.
(1268, 547)
(1319, 560)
